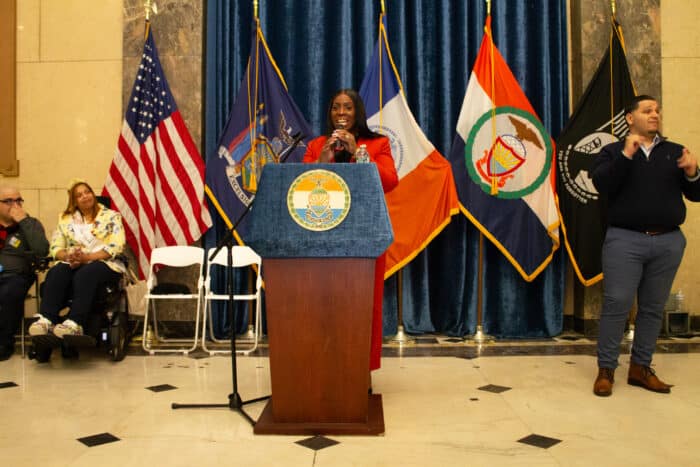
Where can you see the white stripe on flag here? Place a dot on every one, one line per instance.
(414, 146)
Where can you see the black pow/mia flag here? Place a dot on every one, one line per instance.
(597, 120)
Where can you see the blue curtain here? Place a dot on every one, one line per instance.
(321, 46)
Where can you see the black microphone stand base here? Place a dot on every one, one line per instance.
(235, 403)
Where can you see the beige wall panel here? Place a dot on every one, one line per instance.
(52, 202)
(681, 99)
(681, 124)
(28, 17)
(81, 30)
(680, 35)
(69, 116)
(688, 278)
(31, 200)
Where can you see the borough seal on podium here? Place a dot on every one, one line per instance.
(318, 200)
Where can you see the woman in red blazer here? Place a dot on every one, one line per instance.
(347, 130)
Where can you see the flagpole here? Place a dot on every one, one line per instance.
(251, 313)
(149, 6)
(629, 334)
(401, 337)
(479, 336)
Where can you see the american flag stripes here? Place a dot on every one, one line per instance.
(156, 180)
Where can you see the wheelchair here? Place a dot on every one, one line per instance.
(107, 327)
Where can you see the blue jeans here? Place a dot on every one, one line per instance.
(635, 263)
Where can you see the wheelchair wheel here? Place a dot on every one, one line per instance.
(118, 338)
(40, 354)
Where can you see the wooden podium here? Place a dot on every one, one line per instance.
(319, 288)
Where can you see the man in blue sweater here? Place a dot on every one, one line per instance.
(643, 179)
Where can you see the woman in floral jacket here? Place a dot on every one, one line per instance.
(87, 241)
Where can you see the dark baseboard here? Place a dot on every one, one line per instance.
(568, 323)
(695, 323)
(587, 327)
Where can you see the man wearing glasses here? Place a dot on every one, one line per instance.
(21, 238)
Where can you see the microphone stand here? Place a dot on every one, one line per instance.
(235, 402)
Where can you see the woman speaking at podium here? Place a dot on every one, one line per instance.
(347, 131)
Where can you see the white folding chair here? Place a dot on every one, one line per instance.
(172, 256)
(242, 256)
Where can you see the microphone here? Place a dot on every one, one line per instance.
(340, 152)
(338, 145)
(288, 150)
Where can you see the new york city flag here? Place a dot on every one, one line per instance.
(426, 198)
(502, 161)
(263, 124)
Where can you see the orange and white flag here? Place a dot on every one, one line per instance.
(426, 198)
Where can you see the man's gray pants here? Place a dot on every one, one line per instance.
(635, 263)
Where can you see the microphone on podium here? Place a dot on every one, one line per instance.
(289, 149)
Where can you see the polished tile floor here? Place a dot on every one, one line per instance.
(446, 402)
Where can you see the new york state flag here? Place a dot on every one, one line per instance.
(263, 124)
(502, 159)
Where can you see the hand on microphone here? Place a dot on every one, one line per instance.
(338, 142)
(343, 140)
(339, 146)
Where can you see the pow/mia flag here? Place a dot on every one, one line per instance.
(598, 119)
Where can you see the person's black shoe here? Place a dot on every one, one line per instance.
(6, 352)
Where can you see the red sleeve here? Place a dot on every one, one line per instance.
(379, 151)
(313, 149)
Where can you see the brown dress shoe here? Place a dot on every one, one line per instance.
(645, 377)
(604, 382)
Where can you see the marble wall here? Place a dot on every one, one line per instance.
(177, 30)
(69, 75)
(178, 34)
(590, 33)
(680, 68)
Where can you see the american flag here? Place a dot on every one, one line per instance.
(156, 180)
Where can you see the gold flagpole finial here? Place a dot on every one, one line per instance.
(382, 4)
(150, 5)
(488, 7)
(613, 7)
(255, 9)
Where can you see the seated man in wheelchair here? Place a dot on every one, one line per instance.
(21, 237)
(87, 245)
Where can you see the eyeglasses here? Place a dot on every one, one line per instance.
(11, 201)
